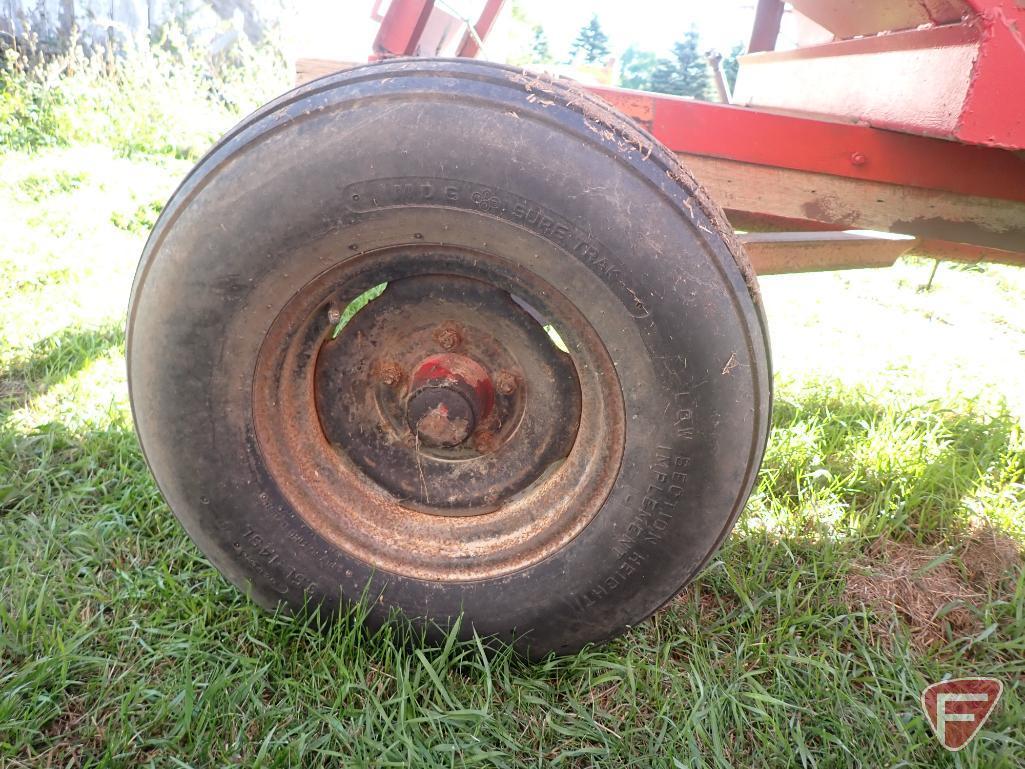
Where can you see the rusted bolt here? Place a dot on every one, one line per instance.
(505, 382)
(333, 315)
(858, 158)
(389, 373)
(484, 441)
(448, 336)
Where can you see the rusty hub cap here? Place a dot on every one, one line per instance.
(441, 434)
(415, 440)
(449, 394)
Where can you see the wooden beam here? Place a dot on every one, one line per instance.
(310, 69)
(862, 205)
(772, 253)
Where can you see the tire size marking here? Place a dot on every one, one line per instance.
(658, 503)
(410, 191)
(651, 520)
(268, 556)
(681, 412)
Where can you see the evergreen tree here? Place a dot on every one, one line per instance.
(686, 73)
(591, 43)
(665, 78)
(731, 66)
(691, 66)
(539, 46)
(636, 68)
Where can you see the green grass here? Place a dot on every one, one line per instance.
(899, 417)
(163, 97)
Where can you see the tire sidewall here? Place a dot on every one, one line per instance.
(273, 208)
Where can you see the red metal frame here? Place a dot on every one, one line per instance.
(469, 46)
(401, 26)
(820, 146)
(980, 45)
(768, 15)
(961, 81)
(847, 19)
(998, 80)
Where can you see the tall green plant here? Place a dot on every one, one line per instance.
(160, 97)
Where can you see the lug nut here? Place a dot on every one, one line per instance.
(485, 442)
(505, 382)
(389, 373)
(447, 335)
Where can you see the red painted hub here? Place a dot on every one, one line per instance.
(446, 393)
(449, 395)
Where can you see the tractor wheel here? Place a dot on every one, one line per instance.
(457, 340)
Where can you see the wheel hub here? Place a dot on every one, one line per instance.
(449, 395)
(442, 432)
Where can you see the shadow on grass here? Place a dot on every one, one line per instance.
(886, 468)
(109, 611)
(53, 360)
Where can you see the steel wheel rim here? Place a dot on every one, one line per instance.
(361, 516)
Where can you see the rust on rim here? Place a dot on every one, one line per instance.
(455, 451)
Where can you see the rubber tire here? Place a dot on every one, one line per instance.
(660, 277)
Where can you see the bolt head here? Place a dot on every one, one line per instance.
(505, 382)
(390, 373)
(484, 441)
(448, 336)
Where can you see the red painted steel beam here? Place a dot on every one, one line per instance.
(963, 252)
(401, 27)
(820, 146)
(994, 112)
(469, 46)
(765, 31)
(960, 81)
(851, 18)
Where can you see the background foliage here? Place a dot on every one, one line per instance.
(163, 97)
(879, 552)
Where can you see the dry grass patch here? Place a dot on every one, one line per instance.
(990, 558)
(934, 591)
